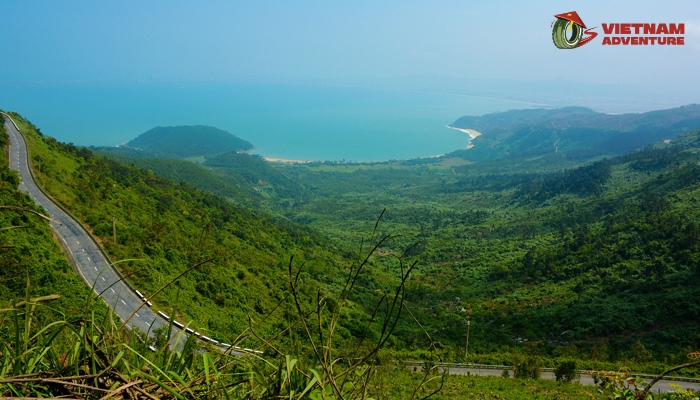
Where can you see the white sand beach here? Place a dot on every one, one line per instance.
(471, 132)
(285, 160)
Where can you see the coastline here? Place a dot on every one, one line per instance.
(285, 160)
(471, 132)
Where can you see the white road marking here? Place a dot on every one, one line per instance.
(103, 278)
(112, 290)
(88, 258)
(147, 323)
(95, 268)
(77, 242)
(123, 302)
(137, 316)
(83, 250)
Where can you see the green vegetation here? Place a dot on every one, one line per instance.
(91, 355)
(575, 132)
(557, 263)
(566, 371)
(599, 263)
(581, 262)
(178, 170)
(188, 141)
(168, 227)
(28, 251)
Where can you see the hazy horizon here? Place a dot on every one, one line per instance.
(433, 44)
(55, 52)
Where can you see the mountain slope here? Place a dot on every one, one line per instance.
(29, 255)
(607, 252)
(245, 170)
(179, 170)
(163, 228)
(577, 132)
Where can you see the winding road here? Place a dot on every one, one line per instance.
(88, 258)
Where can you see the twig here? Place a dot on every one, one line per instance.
(661, 375)
(158, 291)
(252, 330)
(293, 281)
(121, 388)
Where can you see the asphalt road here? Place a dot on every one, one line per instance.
(662, 386)
(88, 258)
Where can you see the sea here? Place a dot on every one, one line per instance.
(284, 121)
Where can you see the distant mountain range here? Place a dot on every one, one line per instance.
(577, 132)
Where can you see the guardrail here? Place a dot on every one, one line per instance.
(421, 364)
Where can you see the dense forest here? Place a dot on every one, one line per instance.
(529, 248)
(594, 258)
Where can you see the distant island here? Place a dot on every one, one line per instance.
(188, 141)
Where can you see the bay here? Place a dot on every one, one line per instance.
(288, 121)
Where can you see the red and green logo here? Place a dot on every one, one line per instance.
(568, 30)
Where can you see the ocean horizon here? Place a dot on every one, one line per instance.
(284, 121)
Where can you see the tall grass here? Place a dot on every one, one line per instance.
(90, 355)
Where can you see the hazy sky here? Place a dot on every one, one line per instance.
(340, 42)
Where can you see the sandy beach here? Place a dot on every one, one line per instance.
(285, 160)
(471, 132)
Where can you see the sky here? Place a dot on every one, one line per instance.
(495, 46)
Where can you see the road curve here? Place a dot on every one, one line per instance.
(89, 259)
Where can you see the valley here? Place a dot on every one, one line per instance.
(556, 253)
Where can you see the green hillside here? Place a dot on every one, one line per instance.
(575, 132)
(188, 141)
(30, 259)
(57, 346)
(185, 171)
(240, 178)
(599, 262)
(164, 227)
(583, 262)
(602, 253)
(252, 171)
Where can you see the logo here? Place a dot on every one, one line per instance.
(568, 30)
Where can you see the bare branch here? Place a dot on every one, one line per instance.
(661, 375)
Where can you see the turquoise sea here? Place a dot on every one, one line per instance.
(302, 122)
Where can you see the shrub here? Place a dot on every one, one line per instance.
(566, 371)
(526, 368)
